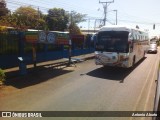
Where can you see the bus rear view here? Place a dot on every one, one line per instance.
(120, 46)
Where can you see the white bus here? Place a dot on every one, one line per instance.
(120, 46)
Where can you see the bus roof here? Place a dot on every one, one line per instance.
(119, 28)
(114, 28)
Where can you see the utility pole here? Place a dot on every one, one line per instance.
(95, 25)
(71, 24)
(70, 41)
(105, 5)
(38, 17)
(88, 25)
(34, 45)
(116, 16)
(71, 17)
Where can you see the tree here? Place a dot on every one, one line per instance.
(57, 19)
(75, 18)
(74, 29)
(3, 10)
(28, 17)
(7, 21)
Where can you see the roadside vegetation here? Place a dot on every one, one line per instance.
(27, 17)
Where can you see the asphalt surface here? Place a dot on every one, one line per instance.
(86, 87)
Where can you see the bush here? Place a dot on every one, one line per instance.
(2, 75)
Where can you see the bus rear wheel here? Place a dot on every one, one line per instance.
(133, 62)
(144, 54)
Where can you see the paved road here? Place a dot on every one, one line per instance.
(86, 87)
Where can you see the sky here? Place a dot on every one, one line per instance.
(143, 13)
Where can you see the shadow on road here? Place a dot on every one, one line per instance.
(113, 73)
(35, 75)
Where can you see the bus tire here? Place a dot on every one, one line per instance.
(133, 62)
(144, 54)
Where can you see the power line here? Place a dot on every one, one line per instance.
(63, 5)
(105, 6)
(15, 3)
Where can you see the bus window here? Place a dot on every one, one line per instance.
(113, 41)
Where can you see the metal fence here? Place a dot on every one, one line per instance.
(9, 43)
(13, 45)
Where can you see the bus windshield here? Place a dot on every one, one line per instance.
(113, 41)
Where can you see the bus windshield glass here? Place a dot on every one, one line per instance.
(112, 41)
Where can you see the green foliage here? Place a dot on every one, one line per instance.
(3, 10)
(77, 17)
(74, 29)
(24, 18)
(2, 75)
(8, 20)
(57, 19)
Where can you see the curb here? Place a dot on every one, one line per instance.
(89, 58)
(15, 74)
